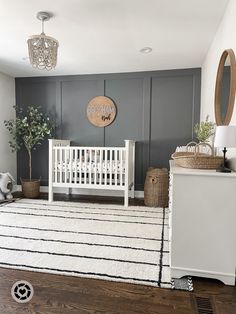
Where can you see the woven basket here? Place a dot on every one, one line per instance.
(196, 160)
(156, 188)
(30, 188)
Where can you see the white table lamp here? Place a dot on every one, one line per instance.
(225, 137)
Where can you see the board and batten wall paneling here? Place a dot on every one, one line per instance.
(173, 115)
(75, 125)
(157, 109)
(45, 94)
(129, 124)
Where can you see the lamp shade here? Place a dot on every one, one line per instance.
(225, 136)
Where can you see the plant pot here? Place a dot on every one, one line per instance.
(30, 188)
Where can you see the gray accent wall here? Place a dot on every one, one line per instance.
(157, 109)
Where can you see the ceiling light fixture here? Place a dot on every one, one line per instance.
(42, 48)
(146, 50)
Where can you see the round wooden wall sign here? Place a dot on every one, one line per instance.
(101, 111)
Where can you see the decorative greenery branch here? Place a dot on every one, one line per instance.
(204, 130)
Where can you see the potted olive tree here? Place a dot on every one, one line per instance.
(29, 129)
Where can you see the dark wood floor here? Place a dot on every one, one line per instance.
(64, 294)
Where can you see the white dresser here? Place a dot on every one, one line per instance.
(202, 223)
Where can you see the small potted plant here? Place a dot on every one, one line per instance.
(204, 130)
(29, 129)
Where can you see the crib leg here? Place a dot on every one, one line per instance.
(50, 193)
(68, 191)
(132, 191)
(126, 197)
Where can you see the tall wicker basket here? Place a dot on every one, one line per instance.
(156, 187)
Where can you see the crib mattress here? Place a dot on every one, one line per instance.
(77, 166)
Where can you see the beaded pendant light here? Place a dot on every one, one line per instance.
(42, 48)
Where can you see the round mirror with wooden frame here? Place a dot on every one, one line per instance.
(225, 88)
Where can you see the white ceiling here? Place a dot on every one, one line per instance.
(105, 36)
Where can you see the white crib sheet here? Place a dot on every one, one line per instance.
(109, 167)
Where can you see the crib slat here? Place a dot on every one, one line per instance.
(95, 167)
(121, 167)
(71, 174)
(78, 164)
(111, 164)
(90, 166)
(56, 165)
(101, 168)
(61, 163)
(106, 167)
(116, 165)
(71, 166)
(74, 158)
(80, 160)
(85, 166)
(75, 164)
(66, 163)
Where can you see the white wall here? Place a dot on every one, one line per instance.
(7, 101)
(225, 38)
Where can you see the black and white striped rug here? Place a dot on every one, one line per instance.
(86, 240)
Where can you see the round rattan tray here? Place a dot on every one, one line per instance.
(196, 160)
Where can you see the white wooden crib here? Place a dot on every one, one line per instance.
(109, 168)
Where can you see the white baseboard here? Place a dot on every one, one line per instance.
(44, 189)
